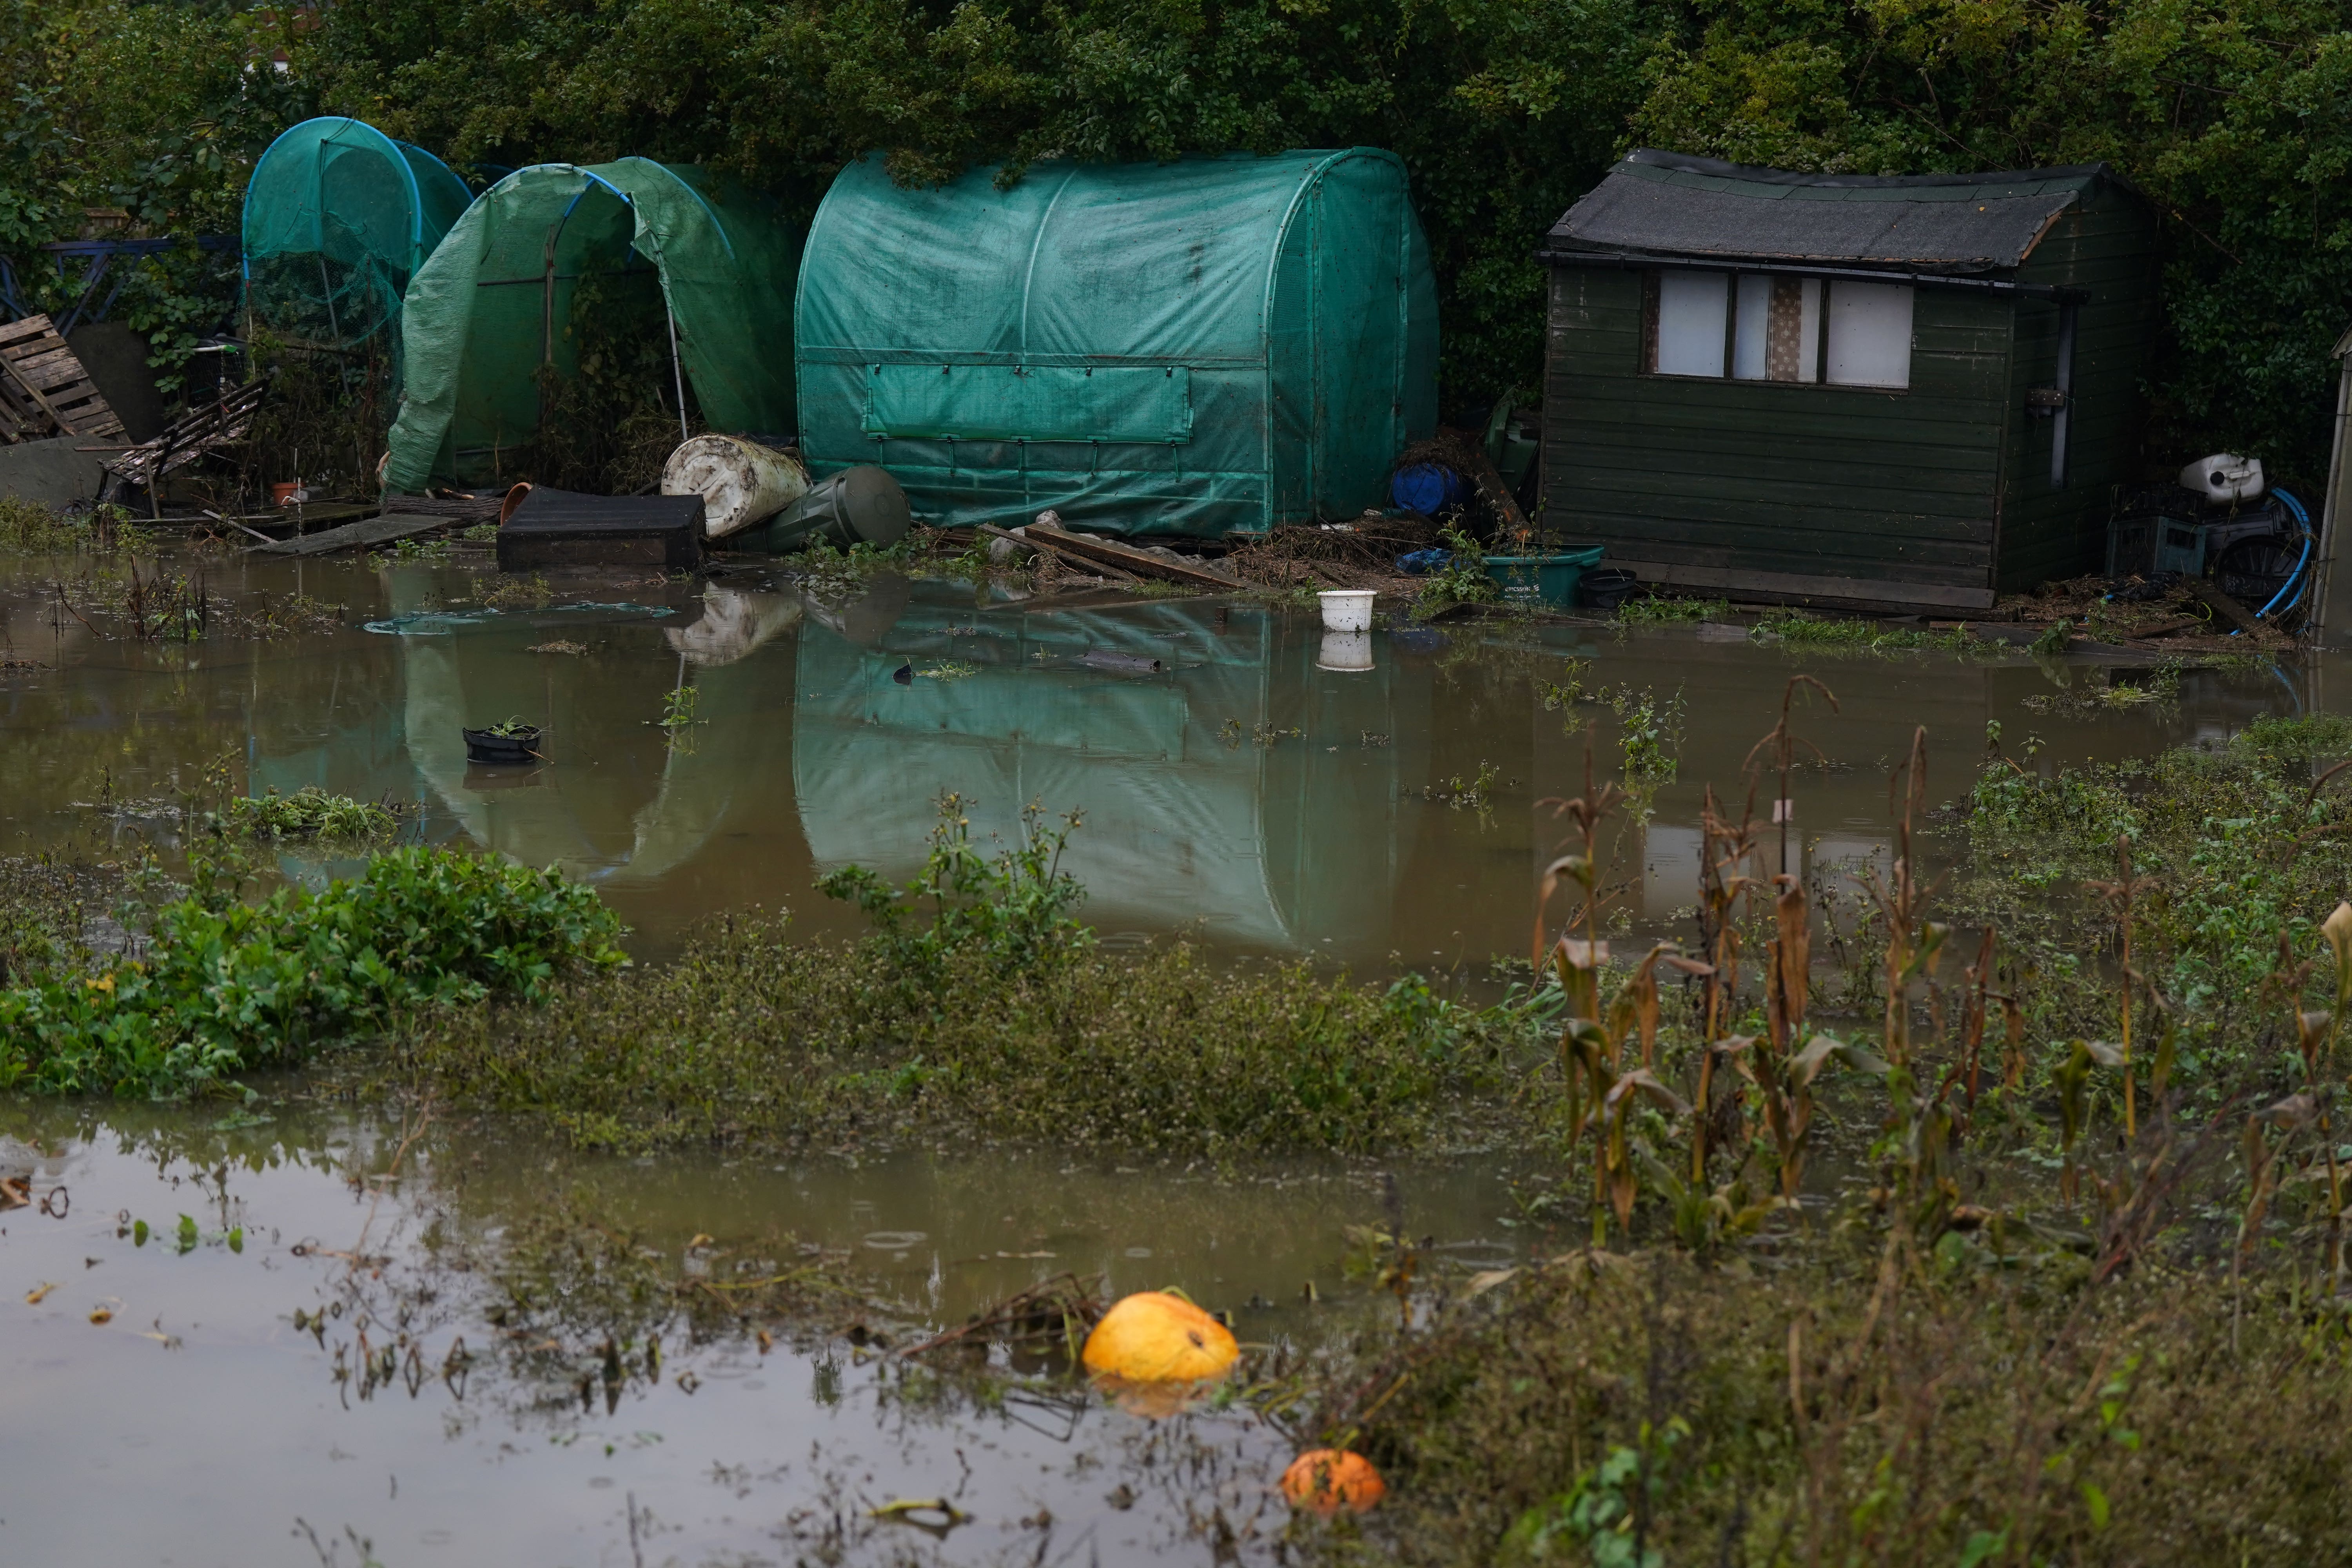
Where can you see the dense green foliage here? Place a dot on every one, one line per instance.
(224, 986)
(2235, 116)
(1984, 1404)
(2240, 846)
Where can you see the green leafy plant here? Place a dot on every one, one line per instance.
(224, 986)
(308, 813)
(1012, 908)
(1463, 579)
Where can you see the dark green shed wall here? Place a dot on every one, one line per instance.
(1938, 496)
(2108, 247)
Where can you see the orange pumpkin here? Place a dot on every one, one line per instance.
(1153, 1337)
(1325, 1480)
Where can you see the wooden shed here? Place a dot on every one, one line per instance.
(1915, 392)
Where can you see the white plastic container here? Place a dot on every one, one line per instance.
(741, 484)
(2224, 477)
(1347, 609)
(1345, 651)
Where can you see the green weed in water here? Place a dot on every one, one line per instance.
(28, 527)
(1463, 579)
(308, 813)
(221, 987)
(981, 1008)
(1651, 610)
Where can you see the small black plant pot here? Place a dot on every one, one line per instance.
(1606, 587)
(523, 746)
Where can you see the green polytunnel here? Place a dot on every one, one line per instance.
(1208, 346)
(557, 253)
(338, 218)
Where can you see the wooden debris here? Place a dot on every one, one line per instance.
(384, 529)
(188, 437)
(2166, 627)
(2228, 608)
(1067, 557)
(44, 390)
(473, 508)
(1470, 458)
(1101, 552)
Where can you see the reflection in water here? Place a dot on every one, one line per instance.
(1238, 789)
(208, 1403)
(1261, 787)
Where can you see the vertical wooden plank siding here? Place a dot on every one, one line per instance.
(2106, 247)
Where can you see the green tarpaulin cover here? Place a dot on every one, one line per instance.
(495, 304)
(338, 218)
(1212, 345)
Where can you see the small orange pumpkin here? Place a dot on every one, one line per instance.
(1325, 1480)
(1154, 1337)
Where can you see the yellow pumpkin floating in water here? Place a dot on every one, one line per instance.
(1154, 1337)
(1325, 1480)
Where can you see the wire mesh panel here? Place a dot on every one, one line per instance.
(338, 217)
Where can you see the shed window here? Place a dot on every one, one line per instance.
(1763, 326)
(1870, 334)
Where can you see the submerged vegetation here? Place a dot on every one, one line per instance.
(979, 1006)
(29, 527)
(311, 812)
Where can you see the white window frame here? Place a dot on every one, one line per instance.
(1734, 299)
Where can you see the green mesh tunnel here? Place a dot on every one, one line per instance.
(498, 316)
(338, 218)
(1208, 346)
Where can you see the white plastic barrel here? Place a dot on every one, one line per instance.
(742, 484)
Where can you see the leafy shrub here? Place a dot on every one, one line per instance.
(227, 986)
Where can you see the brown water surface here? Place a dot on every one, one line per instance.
(1241, 791)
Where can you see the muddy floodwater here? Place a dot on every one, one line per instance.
(1241, 791)
(183, 1376)
(198, 1424)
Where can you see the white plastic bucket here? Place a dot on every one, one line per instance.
(1345, 651)
(1347, 609)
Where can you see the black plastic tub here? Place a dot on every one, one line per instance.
(523, 746)
(1606, 587)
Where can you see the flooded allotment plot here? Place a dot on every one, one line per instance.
(345, 1316)
(712, 748)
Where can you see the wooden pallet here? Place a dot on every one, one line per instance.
(44, 390)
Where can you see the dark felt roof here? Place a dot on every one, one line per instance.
(1666, 204)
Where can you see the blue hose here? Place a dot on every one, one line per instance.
(2294, 580)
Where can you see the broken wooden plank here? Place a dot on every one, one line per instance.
(1068, 557)
(1104, 552)
(1479, 470)
(2229, 610)
(2166, 627)
(190, 435)
(384, 530)
(27, 327)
